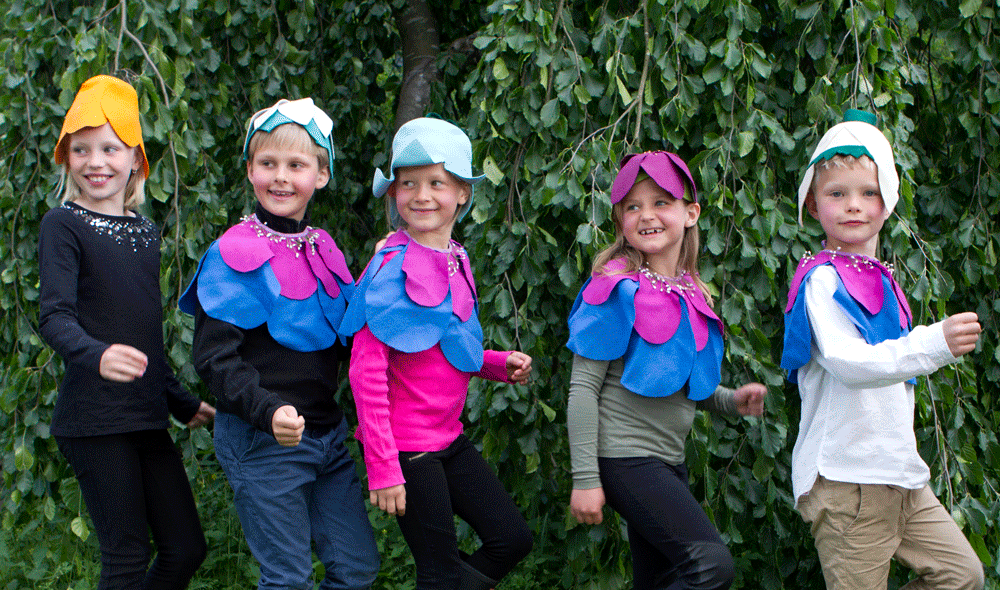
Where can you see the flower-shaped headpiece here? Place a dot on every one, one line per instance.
(105, 99)
(666, 169)
(857, 136)
(426, 141)
(302, 112)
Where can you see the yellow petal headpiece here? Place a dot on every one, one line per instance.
(105, 99)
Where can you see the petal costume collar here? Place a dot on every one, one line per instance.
(249, 244)
(657, 302)
(413, 297)
(666, 345)
(861, 276)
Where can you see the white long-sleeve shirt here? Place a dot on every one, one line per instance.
(857, 409)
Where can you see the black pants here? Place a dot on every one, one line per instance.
(458, 481)
(674, 545)
(134, 484)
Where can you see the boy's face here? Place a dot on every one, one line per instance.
(284, 180)
(848, 204)
(428, 199)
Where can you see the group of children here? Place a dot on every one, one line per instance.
(277, 309)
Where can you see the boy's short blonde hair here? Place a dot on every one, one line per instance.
(843, 161)
(288, 137)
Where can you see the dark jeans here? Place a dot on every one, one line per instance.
(458, 481)
(290, 499)
(134, 484)
(673, 543)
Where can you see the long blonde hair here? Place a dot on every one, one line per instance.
(687, 260)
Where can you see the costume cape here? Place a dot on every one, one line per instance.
(298, 284)
(413, 297)
(665, 344)
(866, 292)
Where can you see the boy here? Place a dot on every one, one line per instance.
(267, 298)
(856, 473)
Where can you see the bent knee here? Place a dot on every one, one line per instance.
(711, 567)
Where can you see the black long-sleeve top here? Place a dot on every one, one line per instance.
(252, 375)
(100, 285)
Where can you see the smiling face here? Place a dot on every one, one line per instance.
(100, 165)
(284, 179)
(653, 222)
(847, 202)
(428, 199)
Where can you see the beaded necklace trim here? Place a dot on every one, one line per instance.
(294, 242)
(667, 284)
(858, 262)
(132, 232)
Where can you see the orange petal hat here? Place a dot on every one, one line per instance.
(105, 99)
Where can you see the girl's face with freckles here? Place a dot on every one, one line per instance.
(654, 223)
(428, 199)
(101, 164)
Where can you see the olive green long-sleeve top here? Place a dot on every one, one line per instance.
(607, 420)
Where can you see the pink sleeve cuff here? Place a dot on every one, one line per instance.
(494, 366)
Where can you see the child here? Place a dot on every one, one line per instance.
(648, 353)
(856, 473)
(417, 341)
(267, 298)
(101, 310)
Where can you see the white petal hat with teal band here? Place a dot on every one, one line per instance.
(856, 136)
(425, 141)
(302, 112)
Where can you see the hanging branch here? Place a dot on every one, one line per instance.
(170, 140)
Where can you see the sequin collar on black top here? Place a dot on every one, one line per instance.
(134, 232)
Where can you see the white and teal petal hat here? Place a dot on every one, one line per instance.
(857, 136)
(302, 112)
(426, 141)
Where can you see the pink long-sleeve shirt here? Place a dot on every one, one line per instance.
(408, 401)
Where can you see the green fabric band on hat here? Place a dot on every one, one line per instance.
(844, 150)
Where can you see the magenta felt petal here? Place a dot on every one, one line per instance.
(426, 275)
(601, 285)
(462, 299)
(668, 170)
(242, 249)
(657, 314)
(319, 269)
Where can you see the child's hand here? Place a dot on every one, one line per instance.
(750, 399)
(586, 505)
(518, 367)
(961, 332)
(122, 363)
(287, 426)
(204, 415)
(391, 499)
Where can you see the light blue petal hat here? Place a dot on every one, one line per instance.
(857, 136)
(426, 141)
(302, 112)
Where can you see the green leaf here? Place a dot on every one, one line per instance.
(492, 171)
(80, 528)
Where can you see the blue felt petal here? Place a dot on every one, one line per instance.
(462, 344)
(797, 348)
(334, 308)
(395, 319)
(301, 324)
(244, 299)
(355, 317)
(602, 332)
(707, 373)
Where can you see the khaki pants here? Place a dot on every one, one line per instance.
(858, 528)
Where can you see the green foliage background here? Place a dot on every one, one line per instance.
(558, 92)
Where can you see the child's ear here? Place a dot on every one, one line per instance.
(466, 193)
(250, 169)
(693, 213)
(323, 177)
(810, 204)
(139, 159)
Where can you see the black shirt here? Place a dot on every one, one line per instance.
(100, 285)
(252, 375)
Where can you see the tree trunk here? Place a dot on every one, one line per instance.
(421, 41)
